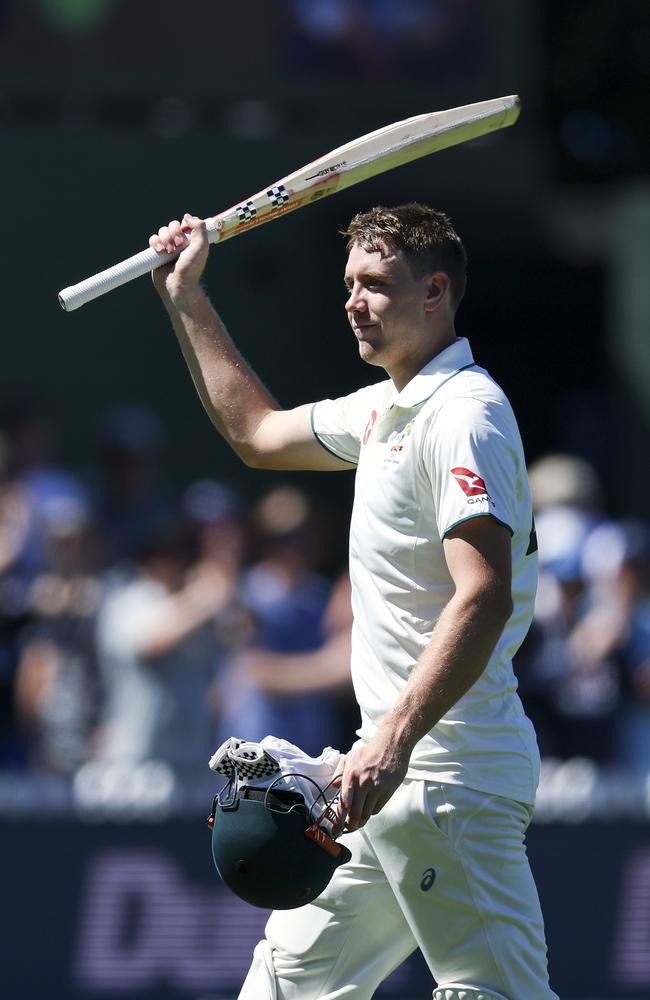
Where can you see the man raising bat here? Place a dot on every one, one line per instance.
(438, 791)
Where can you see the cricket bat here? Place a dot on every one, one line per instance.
(350, 164)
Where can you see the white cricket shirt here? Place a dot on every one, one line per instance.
(445, 449)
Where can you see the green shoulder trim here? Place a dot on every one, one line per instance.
(426, 399)
(472, 517)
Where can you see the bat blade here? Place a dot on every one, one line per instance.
(368, 156)
(352, 163)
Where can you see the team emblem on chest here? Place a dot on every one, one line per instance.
(396, 443)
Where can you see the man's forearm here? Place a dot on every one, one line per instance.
(263, 434)
(233, 396)
(458, 652)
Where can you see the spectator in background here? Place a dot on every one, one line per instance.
(31, 484)
(56, 682)
(617, 626)
(158, 654)
(33, 466)
(130, 495)
(569, 690)
(216, 515)
(563, 479)
(287, 600)
(15, 515)
(14, 511)
(325, 670)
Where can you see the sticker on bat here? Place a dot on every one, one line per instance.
(327, 170)
(246, 211)
(273, 213)
(278, 194)
(322, 193)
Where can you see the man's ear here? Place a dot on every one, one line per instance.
(437, 288)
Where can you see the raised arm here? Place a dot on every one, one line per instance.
(238, 404)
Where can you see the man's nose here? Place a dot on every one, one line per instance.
(355, 301)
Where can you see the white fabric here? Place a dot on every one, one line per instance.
(295, 766)
(442, 868)
(260, 981)
(452, 415)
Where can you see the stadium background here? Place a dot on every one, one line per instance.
(115, 117)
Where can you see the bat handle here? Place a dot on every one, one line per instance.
(133, 267)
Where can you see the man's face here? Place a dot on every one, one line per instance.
(386, 306)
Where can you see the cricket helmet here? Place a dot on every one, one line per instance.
(267, 848)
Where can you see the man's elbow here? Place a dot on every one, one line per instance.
(249, 453)
(256, 448)
(251, 457)
(492, 603)
(256, 459)
(500, 606)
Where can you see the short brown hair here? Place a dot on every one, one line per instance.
(425, 236)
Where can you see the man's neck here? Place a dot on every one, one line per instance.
(402, 376)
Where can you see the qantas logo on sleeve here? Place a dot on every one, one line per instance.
(470, 482)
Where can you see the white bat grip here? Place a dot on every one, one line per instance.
(133, 267)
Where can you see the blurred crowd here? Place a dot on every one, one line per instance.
(384, 40)
(584, 668)
(137, 625)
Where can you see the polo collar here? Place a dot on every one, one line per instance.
(444, 366)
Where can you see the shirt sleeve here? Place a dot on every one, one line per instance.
(341, 424)
(472, 463)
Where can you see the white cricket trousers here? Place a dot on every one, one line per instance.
(442, 868)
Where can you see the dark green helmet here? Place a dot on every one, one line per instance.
(263, 851)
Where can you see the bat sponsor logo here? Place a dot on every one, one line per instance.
(323, 192)
(327, 170)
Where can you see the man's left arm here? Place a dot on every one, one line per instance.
(478, 556)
